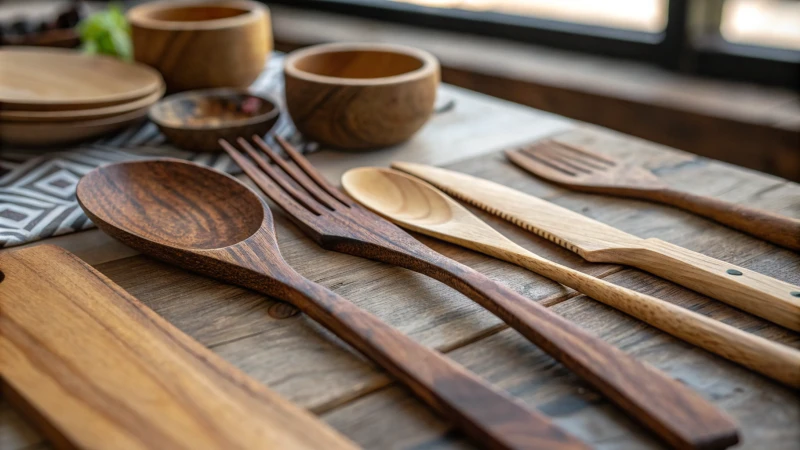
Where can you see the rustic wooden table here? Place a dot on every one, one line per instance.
(304, 363)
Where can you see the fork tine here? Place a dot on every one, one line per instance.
(265, 184)
(297, 175)
(297, 195)
(543, 163)
(554, 151)
(311, 172)
(602, 159)
(556, 155)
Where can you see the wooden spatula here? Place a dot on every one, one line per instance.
(582, 170)
(96, 369)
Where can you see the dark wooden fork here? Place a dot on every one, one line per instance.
(585, 171)
(337, 223)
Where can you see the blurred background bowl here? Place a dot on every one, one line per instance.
(358, 96)
(197, 120)
(200, 44)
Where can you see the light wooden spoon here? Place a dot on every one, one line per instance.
(418, 206)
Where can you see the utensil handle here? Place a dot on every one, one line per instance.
(491, 417)
(673, 411)
(779, 362)
(763, 296)
(766, 225)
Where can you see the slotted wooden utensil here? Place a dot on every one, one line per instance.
(585, 171)
(95, 369)
(208, 222)
(418, 206)
(678, 415)
(758, 294)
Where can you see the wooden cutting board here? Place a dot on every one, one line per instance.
(94, 368)
(49, 79)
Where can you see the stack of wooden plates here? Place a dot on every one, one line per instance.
(52, 96)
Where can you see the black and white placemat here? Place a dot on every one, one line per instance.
(37, 188)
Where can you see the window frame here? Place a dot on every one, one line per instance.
(706, 53)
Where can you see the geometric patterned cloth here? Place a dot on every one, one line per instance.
(37, 187)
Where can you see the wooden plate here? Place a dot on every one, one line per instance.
(81, 114)
(49, 134)
(50, 79)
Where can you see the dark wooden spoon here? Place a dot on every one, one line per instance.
(208, 222)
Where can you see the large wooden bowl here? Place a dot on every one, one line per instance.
(360, 96)
(200, 44)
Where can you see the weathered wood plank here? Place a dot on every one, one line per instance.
(309, 365)
(746, 395)
(303, 363)
(767, 412)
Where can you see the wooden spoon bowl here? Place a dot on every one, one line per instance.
(197, 120)
(231, 213)
(360, 96)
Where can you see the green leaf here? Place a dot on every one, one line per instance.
(107, 32)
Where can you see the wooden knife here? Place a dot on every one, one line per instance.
(758, 294)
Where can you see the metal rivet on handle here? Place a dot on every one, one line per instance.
(734, 272)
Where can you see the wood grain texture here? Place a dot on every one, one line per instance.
(337, 223)
(767, 411)
(206, 221)
(53, 134)
(201, 45)
(82, 114)
(50, 79)
(360, 96)
(307, 364)
(578, 169)
(196, 120)
(418, 206)
(94, 367)
(751, 291)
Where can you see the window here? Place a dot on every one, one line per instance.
(751, 40)
(764, 23)
(639, 15)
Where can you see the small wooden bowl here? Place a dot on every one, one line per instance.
(201, 44)
(360, 96)
(197, 120)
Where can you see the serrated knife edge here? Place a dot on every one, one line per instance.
(562, 226)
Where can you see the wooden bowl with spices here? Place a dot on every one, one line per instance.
(197, 120)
